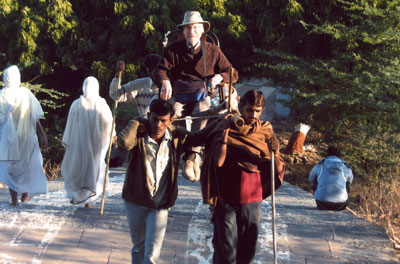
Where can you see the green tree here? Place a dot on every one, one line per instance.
(339, 57)
(346, 80)
(33, 32)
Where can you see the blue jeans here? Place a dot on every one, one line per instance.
(147, 227)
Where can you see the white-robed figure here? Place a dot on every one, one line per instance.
(86, 138)
(21, 162)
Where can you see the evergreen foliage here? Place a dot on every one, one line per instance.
(337, 58)
(346, 78)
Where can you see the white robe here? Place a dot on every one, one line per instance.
(8, 136)
(86, 138)
(21, 166)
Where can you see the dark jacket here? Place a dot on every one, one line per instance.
(136, 185)
(181, 63)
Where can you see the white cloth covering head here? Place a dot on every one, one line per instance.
(12, 77)
(90, 88)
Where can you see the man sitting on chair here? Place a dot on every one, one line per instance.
(185, 71)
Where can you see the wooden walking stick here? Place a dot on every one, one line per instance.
(273, 207)
(120, 70)
(230, 90)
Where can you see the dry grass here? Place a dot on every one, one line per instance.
(52, 170)
(381, 204)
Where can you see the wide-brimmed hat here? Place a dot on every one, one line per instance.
(194, 17)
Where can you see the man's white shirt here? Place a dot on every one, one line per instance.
(157, 157)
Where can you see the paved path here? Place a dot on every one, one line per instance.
(50, 230)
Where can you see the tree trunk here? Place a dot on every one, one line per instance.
(297, 139)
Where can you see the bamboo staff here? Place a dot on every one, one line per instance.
(273, 207)
(121, 69)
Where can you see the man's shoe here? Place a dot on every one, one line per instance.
(196, 167)
(191, 170)
(188, 172)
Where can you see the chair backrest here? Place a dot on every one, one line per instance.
(173, 36)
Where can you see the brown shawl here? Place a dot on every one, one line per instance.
(249, 142)
(248, 145)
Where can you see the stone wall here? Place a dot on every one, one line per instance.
(273, 108)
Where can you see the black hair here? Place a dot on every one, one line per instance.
(333, 151)
(161, 107)
(152, 60)
(252, 97)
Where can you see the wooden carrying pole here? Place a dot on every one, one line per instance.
(109, 147)
(230, 90)
(273, 207)
(195, 117)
